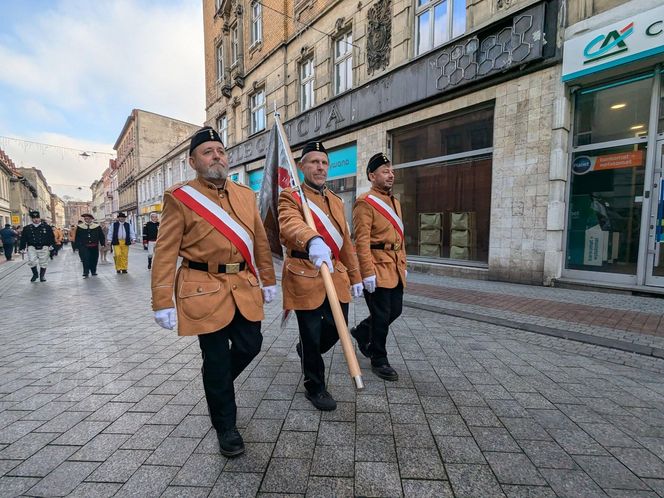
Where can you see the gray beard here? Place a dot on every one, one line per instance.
(215, 175)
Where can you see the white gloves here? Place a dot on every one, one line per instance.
(268, 293)
(356, 290)
(320, 253)
(370, 283)
(165, 318)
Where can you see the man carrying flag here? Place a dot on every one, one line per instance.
(380, 248)
(214, 225)
(307, 250)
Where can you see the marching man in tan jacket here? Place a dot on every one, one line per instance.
(214, 225)
(308, 249)
(379, 241)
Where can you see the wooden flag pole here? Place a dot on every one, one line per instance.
(339, 321)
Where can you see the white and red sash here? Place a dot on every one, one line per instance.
(386, 210)
(219, 219)
(324, 227)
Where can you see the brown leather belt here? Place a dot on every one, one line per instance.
(227, 268)
(387, 247)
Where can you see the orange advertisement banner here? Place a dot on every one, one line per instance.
(619, 160)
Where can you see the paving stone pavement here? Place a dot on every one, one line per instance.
(96, 400)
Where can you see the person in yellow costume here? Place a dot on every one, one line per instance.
(121, 235)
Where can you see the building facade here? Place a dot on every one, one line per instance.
(58, 210)
(145, 137)
(469, 99)
(166, 171)
(98, 200)
(612, 211)
(43, 201)
(74, 210)
(6, 175)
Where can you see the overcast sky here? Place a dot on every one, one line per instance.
(71, 71)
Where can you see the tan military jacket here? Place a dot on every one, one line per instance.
(302, 284)
(206, 302)
(371, 227)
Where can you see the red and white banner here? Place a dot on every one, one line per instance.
(387, 211)
(324, 227)
(219, 219)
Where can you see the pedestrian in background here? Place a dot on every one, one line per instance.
(57, 234)
(89, 237)
(213, 223)
(150, 231)
(38, 238)
(103, 250)
(121, 235)
(308, 250)
(72, 235)
(18, 229)
(379, 242)
(8, 236)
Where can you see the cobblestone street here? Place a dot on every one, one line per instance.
(97, 400)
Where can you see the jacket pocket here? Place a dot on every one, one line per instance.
(302, 271)
(197, 299)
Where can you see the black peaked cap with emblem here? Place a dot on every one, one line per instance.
(313, 147)
(376, 161)
(34, 214)
(205, 134)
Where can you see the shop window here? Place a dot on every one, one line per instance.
(615, 111)
(443, 180)
(604, 220)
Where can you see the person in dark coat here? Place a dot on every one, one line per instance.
(8, 236)
(150, 232)
(89, 236)
(38, 238)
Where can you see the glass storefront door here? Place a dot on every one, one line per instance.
(655, 253)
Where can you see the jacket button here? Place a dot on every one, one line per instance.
(200, 289)
(234, 287)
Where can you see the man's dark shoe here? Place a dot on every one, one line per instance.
(118, 271)
(35, 274)
(322, 400)
(298, 348)
(230, 443)
(42, 272)
(85, 276)
(364, 348)
(94, 274)
(385, 372)
(124, 271)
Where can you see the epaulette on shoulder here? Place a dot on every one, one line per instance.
(335, 194)
(175, 186)
(241, 185)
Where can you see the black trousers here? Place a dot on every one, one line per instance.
(226, 353)
(89, 257)
(9, 249)
(385, 306)
(318, 334)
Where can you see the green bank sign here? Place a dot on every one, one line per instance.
(639, 37)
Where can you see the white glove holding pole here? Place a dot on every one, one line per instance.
(165, 318)
(370, 283)
(320, 253)
(269, 293)
(356, 290)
